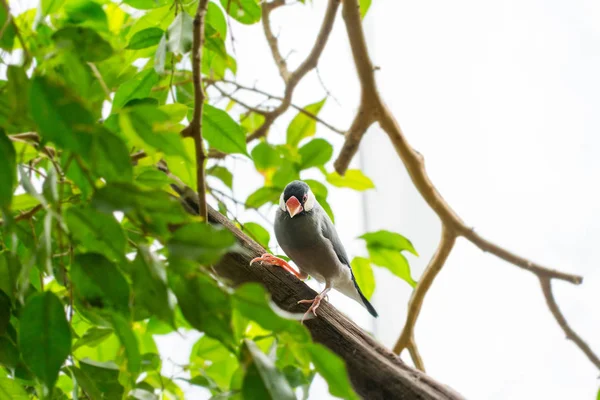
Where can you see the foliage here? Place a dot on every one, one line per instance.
(97, 256)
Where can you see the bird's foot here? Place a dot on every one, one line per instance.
(315, 303)
(271, 259)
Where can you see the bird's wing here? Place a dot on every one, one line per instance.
(329, 232)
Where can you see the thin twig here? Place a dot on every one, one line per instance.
(373, 109)
(26, 55)
(194, 129)
(546, 284)
(240, 102)
(98, 76)
(415, 355)
(295, 77)
(272, 39)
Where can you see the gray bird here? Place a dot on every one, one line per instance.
(308, 237)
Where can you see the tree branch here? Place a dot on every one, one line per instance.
(194, 129)
(295, 77)
(272, 39)
(373, 109)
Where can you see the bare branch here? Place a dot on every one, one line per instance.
(373, 109)
(194, 129)
(295, 77)
(546, 284)
(414, 354)
(272, 39)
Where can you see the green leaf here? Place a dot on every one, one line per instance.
(147, 125)
(222, 174)
(149, 278)
(251, 121)
(24, 201)
(137, 87)
(284, 175)
(303, 126)
(180, 34)
(353, 179)
(99, 283)
(200, 242)
(215, 360)
(245, 11)
(11, 390)
(129, 342)
(93, 337)
(67, 123)
(97, 232)
(145, 38)
(315, 153)
(47, 7)
(8, 169)
(7, 39)
(44, 336)
(262, 372)
(364, 7)
(146, 4)
(153, 178)
(222, 132)
(263, 196)
(258, 233)
(5, 304)
(205, 305)
(389, 240)
(109, 157)
(87, 13)
(331, 367)
(99, 380)
(9, 355)
(363, 273)
(216, 19)
(265, 156)
(395, 262)
(161, 55)
(85, 42)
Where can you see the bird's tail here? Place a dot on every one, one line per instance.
(364, 300)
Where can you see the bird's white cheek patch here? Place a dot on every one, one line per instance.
(310, 201)
(281, 202)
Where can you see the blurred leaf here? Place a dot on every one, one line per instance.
(153, 178)
(8, 169)
(215, 360)
(99, 283)
(200, 242)
(353, 179)
(99, 380)
(147, 125)
(263, 196)
(223, 174)
(364, 7)
(67, 122)
(284, 175)
(87, 13)
(331, 367)
(253, 301)
(24, 201)
(92, 337)
(245, 11)
(129, 342)
(251, 121)
(145, 4)
(216, 19)
(145, 38)
(363, 273)
(395, 262)
(389, 240)
(138, 87)
(161, 55)
(109, 157)
(7, 39)
(44, 336)
(180, 34)
(9, 355)
(315, 153)
(262, 377)
(5, 303)
(258, 233)
(303, 126)
(149, 285)
(97, 232)
(222, 132)
(47, 7)
(86, 42)
(11, 390)
(205, 305)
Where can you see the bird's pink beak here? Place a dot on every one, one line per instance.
(293, 206)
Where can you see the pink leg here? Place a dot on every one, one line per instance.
(271, 259)
(315, 302)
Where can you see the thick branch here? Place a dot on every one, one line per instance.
(295, 77)
(195, 128)
(373, 108)
(546, 284)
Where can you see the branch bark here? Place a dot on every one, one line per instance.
(373, 109)
(194, 130)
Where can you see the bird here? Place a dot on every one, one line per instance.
(308, 237)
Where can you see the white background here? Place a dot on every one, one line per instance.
(501, 98)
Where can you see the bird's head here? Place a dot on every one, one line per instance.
(297, 199)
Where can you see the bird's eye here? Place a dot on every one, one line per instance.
(305, 198)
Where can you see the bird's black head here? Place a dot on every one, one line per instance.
(297, 198)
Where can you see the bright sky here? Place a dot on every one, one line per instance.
(501, 98)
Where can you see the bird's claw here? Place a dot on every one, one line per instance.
(313, 308)
(271, 259)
